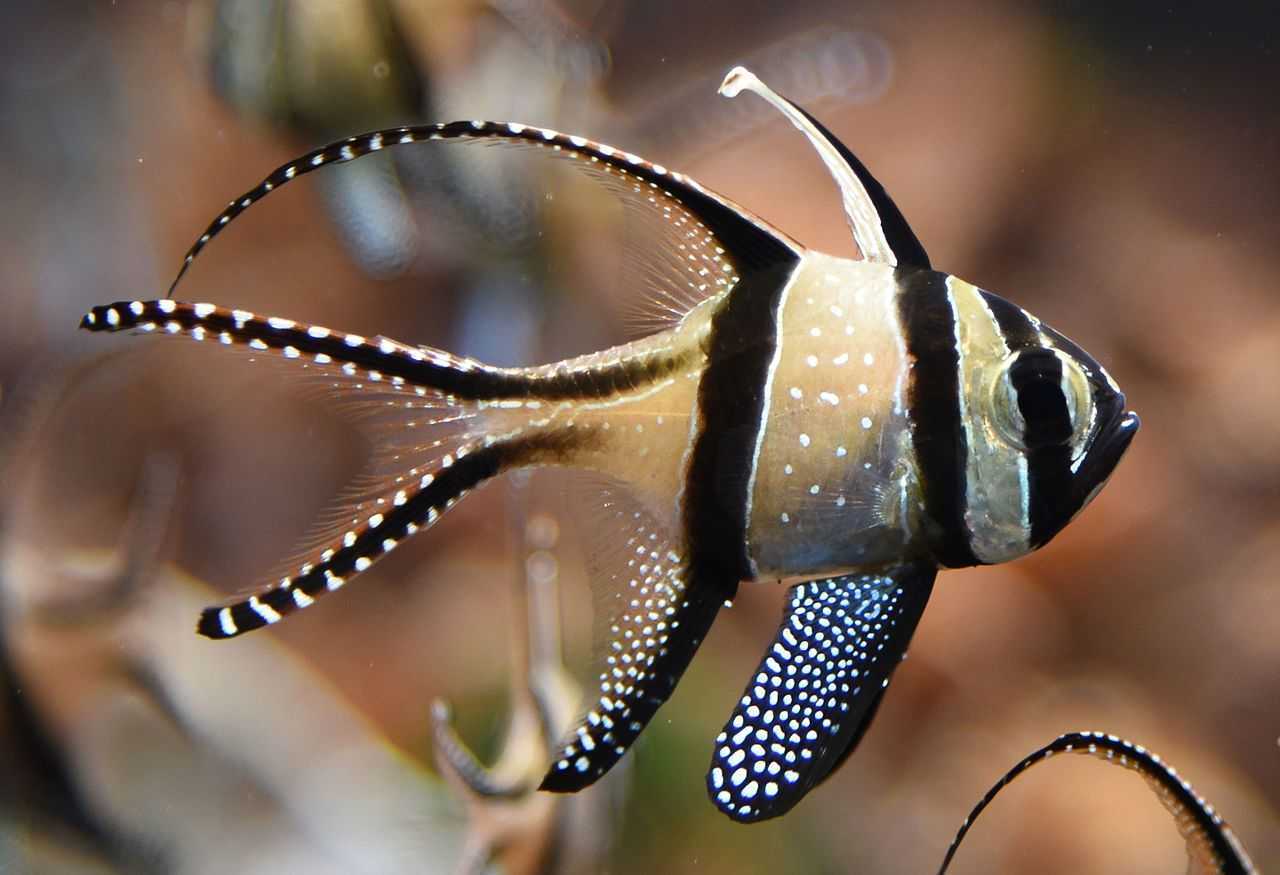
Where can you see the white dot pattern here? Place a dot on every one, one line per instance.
(653, 628)
(815, 690)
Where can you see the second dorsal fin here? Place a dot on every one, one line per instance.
(878, 226)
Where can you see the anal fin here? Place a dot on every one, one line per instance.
(650, 618)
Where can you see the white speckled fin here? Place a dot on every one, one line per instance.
(879, 229)
(816, 689)
(649, 623)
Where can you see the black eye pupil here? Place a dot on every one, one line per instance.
(1036, 378)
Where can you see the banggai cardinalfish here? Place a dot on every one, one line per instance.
(851, 424)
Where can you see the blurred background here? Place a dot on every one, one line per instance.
(1113, 168)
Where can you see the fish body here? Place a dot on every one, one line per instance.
(854, 425)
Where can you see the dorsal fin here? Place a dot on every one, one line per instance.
(747, 241)
(878, 226)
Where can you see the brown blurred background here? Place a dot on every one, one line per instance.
(1116, 171)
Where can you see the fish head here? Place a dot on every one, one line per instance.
(1053, 417)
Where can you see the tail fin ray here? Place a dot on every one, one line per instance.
(409, 511)
(373, 359)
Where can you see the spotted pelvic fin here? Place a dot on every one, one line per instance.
(816, 689)
(879, 228)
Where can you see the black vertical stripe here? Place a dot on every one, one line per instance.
(739, 347)
(1049, 478)
(933, 399)
(731, 400)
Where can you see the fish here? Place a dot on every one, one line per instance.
(1211, 843)
(849, 426)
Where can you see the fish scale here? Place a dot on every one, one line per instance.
(854, 425)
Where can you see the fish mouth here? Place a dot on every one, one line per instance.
(1116, 433)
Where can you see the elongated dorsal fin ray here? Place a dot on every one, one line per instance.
(748, 241)
(878, 226)
(816, 689)
(1211, 843)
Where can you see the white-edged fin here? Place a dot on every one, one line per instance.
(879, 228)
(1212, 846)
(649, 623)
(707, 243)
(816, 690)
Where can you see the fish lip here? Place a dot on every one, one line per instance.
(1114, 436)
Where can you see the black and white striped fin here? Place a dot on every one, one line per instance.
(412, 508)
(342, 355)
(375, 363)
(1210, 841)
(879, 228)
(816, 689)
(650, 618)
(739, 240)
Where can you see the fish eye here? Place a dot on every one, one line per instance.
(1041, 400)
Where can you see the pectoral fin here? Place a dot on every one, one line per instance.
(816, 689)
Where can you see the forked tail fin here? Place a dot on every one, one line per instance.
(453, 424)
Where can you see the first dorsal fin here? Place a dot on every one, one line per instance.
(879, 228)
